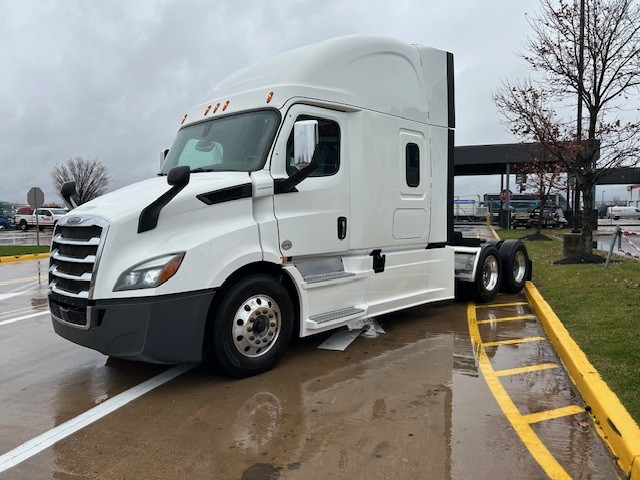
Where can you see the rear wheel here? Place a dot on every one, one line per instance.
(515, 266)
(253, 326)
(488, 275)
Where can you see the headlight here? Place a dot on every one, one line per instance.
(149, 274)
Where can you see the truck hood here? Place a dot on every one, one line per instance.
(130, 200)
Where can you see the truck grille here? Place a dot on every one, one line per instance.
(75, 250)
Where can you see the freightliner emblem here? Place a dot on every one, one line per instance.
(74, 220)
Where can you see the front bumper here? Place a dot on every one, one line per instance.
(164, 329)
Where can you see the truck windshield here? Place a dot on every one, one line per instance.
(237, 143)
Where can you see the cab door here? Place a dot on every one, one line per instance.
(313, 219)
(45, 218)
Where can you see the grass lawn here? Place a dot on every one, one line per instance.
(11, 250)
(600, 308)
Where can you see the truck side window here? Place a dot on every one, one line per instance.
(412, 158)
(327, 151)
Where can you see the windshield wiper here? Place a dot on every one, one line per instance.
(201, 169)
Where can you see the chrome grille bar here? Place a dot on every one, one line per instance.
(75, 250)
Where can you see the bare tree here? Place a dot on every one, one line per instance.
(91, 177)
(603, 75)
(548, 142)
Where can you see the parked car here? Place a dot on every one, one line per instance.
(4, 223)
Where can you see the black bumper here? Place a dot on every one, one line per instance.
(167, 329)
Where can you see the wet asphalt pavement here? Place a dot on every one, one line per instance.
(413, 403)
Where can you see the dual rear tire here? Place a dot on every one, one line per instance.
(503, 269)
(516, 267)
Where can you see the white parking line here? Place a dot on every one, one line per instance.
(41, 442)
(7, 296)
(24, 317)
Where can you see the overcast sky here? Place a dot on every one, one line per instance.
(111, 80)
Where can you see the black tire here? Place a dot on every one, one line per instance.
(23, 225)
(516, 268)
(253, 325)
(488, 274)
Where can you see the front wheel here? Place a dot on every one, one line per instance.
(23, 225)
(253, 326)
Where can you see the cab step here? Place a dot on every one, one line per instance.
(321, 320)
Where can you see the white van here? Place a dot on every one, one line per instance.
(623, 212)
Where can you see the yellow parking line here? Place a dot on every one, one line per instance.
(613, 422)
(495, 305)
(528, 436)
(29, 256)
(506, 319)
(527, 369)
(553, 414)
(513, 341)
(18, 280)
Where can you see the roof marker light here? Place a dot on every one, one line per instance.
(206, 110)
(269, 97)
(215, 109)
(226, 104)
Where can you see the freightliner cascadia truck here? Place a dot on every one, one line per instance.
(309, 192)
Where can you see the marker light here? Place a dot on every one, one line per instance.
(226, 104)
(183, 119)
(149, 274)
(215, 109)
(269, 97)
(206, 110)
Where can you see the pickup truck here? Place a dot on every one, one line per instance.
(46, 218)
(551, 218)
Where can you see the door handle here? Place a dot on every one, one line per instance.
(342, 228)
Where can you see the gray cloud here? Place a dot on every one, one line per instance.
(112, 80)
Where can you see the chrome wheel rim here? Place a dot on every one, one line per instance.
(256, 326)
(490, 273)
(519, 266)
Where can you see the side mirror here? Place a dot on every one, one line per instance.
(305, 139)
(67, 191)
(179, 176)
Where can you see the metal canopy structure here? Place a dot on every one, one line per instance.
(494, 159)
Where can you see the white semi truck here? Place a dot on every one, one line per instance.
(310, 191)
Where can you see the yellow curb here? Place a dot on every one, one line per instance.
(16, 258)
(616, 426)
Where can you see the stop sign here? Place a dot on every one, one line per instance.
(504, 193)
(35, 197)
